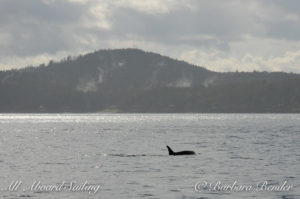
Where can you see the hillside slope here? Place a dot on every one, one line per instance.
(131, 80)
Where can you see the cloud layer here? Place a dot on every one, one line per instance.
(220, 35)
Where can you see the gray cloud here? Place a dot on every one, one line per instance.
(221, 35)
(34, 27)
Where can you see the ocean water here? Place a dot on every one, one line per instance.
(125, 156)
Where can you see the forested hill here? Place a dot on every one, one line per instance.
(131, 80)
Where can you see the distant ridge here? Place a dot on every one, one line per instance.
(131, 80)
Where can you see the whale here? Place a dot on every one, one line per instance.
(171, 152)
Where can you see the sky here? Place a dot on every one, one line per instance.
(243, 35)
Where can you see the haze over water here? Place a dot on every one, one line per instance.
(125, 154)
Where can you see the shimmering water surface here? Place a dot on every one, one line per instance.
(125, 154)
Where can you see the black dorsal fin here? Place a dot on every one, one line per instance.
(171, 152)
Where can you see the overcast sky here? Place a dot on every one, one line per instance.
(220, 35)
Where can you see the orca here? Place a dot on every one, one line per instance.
(171, 152)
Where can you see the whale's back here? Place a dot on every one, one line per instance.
(171, 152)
